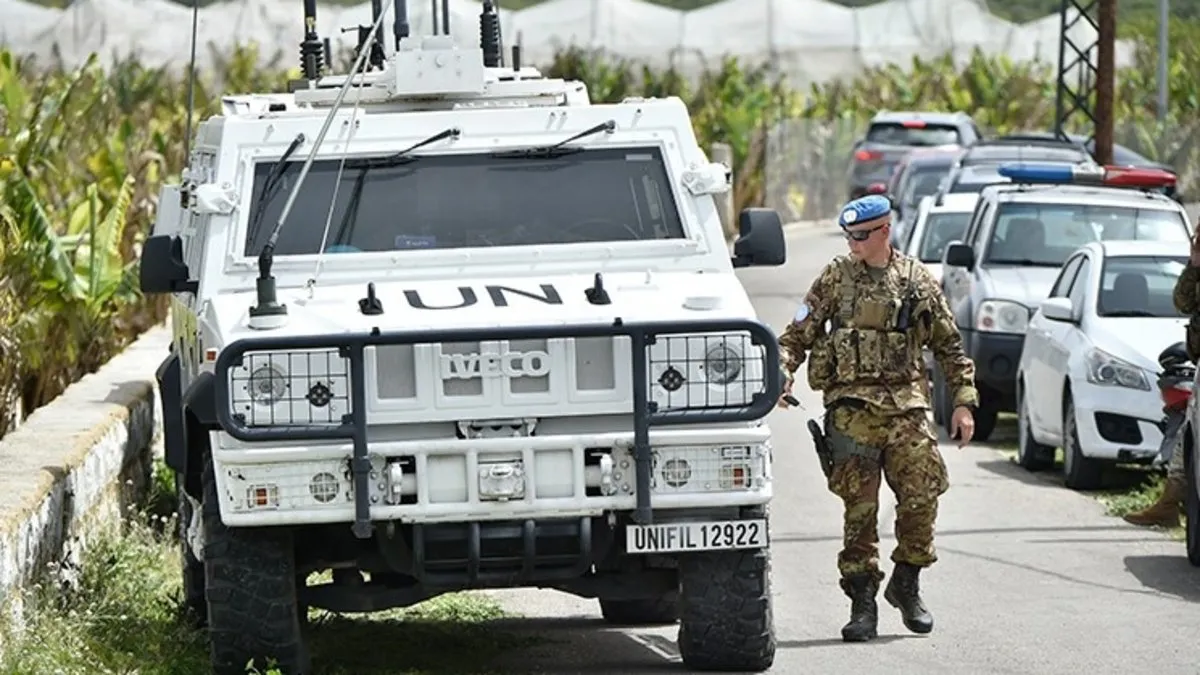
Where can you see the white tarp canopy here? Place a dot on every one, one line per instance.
(804, 40)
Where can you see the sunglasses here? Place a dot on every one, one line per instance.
(862, 235)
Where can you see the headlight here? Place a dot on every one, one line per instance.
(1105, 369)
(722, 364)
(1001, 316)
(267, 384)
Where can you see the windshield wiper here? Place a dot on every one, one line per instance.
(403, 157)
(1130, 312)
(270, 186)
(556, 150)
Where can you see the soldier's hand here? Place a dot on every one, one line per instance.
(783, 401)
(962, 425)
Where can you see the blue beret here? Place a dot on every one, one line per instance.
(864, 209)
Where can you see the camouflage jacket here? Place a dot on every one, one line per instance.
(1187, 301)
(932, 326)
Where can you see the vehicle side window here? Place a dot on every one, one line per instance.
(1063, 283)
(1079, 285)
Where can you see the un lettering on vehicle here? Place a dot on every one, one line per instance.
(509, 364)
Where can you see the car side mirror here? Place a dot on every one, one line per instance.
(1058, 309)
(162, 269)
(959, 254)
(760, 239)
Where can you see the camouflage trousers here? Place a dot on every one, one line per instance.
(912, 465)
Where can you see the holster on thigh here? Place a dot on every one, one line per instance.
(855, 466)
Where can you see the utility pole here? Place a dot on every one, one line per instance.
(1106, 81)
(1164, 13)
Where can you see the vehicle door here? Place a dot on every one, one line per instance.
(1036, 358)
(1062, 339)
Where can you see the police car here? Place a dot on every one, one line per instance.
(447, 324)
(1019, 235)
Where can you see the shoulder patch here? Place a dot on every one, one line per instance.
(802, 313)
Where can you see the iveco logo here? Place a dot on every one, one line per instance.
(508, 364)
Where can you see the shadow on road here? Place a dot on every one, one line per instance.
(1168, 574)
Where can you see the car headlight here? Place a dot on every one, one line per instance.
(1001, 316)
(722, 364)
(267, 384)
(1105, 369)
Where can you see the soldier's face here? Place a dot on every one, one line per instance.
(867, 239)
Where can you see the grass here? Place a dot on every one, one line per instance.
(1134, 488)
(119, 612)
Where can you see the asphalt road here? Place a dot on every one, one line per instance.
(1033, 578)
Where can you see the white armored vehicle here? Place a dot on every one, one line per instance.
(444, 324)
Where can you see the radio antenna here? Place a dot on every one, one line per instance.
(191, 104)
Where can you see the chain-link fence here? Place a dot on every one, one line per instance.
(807, 163)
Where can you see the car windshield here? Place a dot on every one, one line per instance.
(1141, 286)
(1047, 234)
(923, 183)
(975, 178)
(991, 154)
(473, 200)
(915, 133)
(941, 229)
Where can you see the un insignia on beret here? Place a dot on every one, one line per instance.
(849, 216)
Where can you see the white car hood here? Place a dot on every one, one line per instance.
(1138, 340)
(492, 301)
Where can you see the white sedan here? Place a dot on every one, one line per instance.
(1087, 376)
(935, 226)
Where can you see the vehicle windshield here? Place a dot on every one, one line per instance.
(1141, 286)
(941, 229)
(991, 154)
(1047, 234)
(924, 182)
(975, 178)
(473, 200)
(917, 134)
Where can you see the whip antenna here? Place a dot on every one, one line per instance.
(191, 105)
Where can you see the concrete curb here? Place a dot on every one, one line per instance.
(75, 466)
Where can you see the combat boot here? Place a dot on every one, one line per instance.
(903, 592)
(1165, 511)
(864, 613)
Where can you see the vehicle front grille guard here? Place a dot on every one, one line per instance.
(353, 424)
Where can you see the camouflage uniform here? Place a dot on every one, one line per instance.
(1165, 510)
(875, 391)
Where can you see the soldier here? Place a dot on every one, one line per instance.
(883, 307)
(1164, 512)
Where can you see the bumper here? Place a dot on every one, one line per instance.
(497, 479)
(996, 356)
(1118, 424)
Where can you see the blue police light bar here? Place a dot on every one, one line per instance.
(1086, 174)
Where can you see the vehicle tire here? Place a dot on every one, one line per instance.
(195, 605)
(1079, 471)
(253, 608)
(1192, 509)
(659, 611)
(1031, 455)
(726, 620)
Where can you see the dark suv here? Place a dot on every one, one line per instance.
(917, 175)
(891, 135)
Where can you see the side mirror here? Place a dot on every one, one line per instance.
(760, 239)
(959, 254)
(162, 267)
(1058, 309)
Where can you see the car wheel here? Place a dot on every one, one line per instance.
(1081, 472)
(1032, 455)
